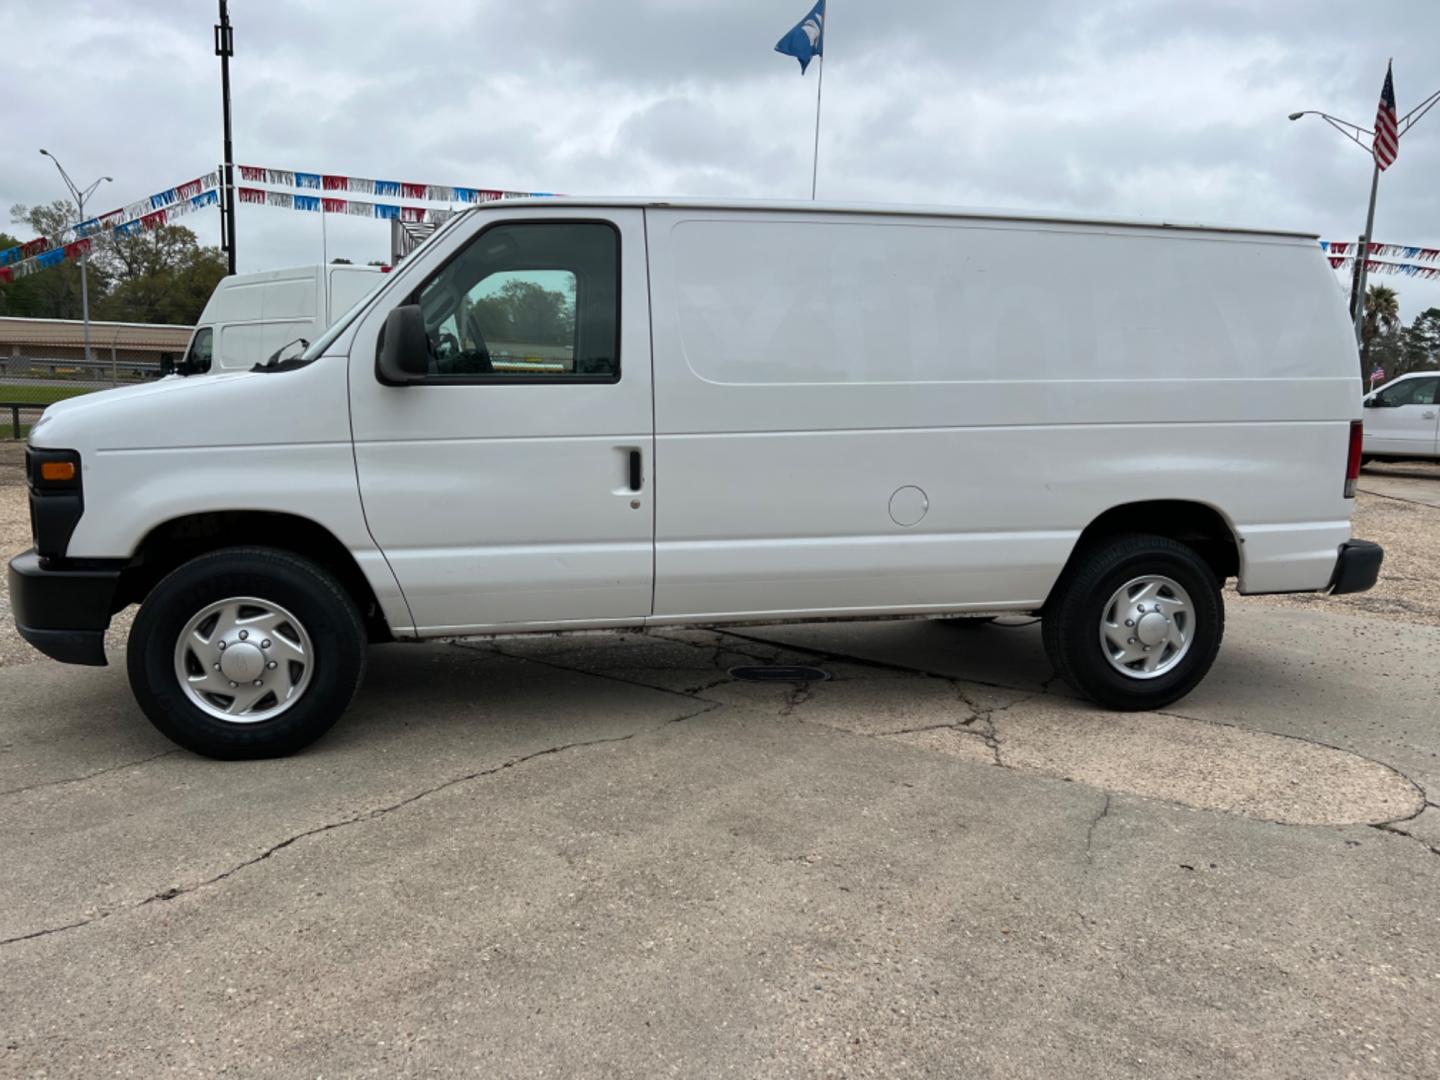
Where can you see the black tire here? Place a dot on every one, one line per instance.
(314, 597)
(1072, 620)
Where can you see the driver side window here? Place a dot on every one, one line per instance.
(527, 302)
(1411, 392)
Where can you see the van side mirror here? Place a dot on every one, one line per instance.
(1373, 402)
(404, 353)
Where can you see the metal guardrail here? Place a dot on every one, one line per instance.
(37, 367)
(94, 374)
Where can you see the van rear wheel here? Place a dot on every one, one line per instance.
(1136, 623)
(246, 653)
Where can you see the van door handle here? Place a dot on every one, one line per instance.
(637, 474)
(1428, 414)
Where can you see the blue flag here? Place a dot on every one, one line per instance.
(807, 40)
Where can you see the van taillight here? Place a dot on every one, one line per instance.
(1352, 466)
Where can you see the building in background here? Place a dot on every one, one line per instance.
(55, 349)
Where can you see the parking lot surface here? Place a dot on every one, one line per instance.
(602, 855)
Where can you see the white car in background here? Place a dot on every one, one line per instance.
(1402, 418)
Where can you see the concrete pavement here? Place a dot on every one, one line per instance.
(1416, 482)
(601, 856)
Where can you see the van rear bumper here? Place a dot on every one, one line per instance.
(63, 612)
(1357, 567)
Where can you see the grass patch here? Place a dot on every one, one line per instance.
(41, 395)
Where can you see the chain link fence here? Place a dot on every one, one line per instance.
(32, 381)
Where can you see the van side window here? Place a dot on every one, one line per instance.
(1411, 392)
(197, 360)
(527, 301)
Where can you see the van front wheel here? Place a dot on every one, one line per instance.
(246, 653)
(1136, 623)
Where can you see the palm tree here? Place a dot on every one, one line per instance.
(1382, 318)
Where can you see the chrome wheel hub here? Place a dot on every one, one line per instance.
(244, 660)
(1147, 626)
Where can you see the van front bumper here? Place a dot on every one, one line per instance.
(63, 612)
(1357, 568)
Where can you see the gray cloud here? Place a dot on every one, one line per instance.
(1156, 108)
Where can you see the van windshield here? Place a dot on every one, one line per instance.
(339, 326)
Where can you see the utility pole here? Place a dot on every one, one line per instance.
(225, 48)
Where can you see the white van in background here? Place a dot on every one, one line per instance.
(569, 414)
(252, 316)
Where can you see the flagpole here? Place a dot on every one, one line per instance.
(819, 90)
(819, 93)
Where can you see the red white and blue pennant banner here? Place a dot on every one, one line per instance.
(395, 189)
(1378, 251)
(53, 256)
(1378, 266)
(326, 205)
(165, 206)
(145, 214)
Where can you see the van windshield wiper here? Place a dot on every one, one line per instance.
(274, 363)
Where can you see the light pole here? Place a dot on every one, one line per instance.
(225, 49)
(1353, 132)
(80, 197)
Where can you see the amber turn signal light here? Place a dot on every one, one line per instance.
(57, 472)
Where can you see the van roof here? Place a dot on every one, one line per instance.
(894, 210)
(294, 273)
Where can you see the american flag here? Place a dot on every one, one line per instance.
(1378, 375)
(1387, 134)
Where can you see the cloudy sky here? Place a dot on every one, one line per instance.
(1169, 109)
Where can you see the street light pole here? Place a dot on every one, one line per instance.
(80, 197)
(1362, 259)
(1355, 133)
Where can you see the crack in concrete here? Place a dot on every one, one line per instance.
(985, 718)
(798, 695)
(692, 691)
(981, 722)
(550, 663)
(860, 661)
(1398, 498)
(91, 775)
(1390, 827)
(368, 815)
(53, 930)
(1419, 789)
(960, 728)
(1095, 824)
(717, 660)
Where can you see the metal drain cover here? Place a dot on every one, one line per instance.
(780, 673)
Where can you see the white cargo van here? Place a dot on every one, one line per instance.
(251, 317)
(569, 414)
